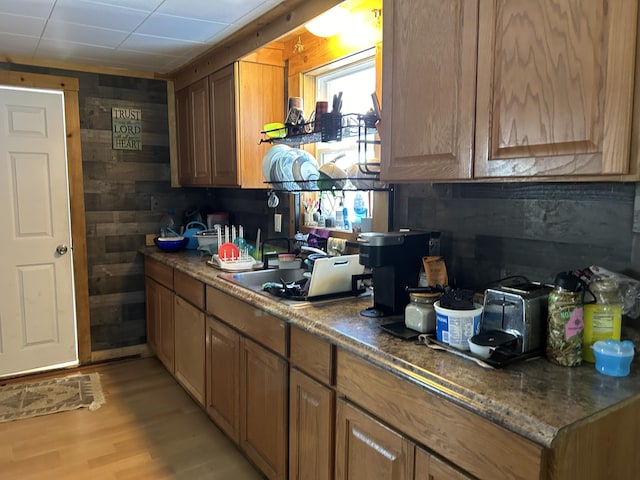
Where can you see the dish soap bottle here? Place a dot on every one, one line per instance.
(602, 320)
(565, 321)
(359, 207)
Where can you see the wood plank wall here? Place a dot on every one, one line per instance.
(490, 231)
(126, 194)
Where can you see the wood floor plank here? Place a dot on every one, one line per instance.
(149, 428)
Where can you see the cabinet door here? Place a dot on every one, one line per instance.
(183, 133)
(367, 449)
(260, 100)
(189, 348)
(311, 433)
(263, 409)
(223, 127)
(192, 117)
(555, 87)
(428, 467)
(223, 380)
(159, 304)
(151, 312)
(428, 89)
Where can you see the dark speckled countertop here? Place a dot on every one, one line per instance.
(533, 398)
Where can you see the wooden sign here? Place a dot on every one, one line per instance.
(126, 130)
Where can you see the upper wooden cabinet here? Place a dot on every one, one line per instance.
(547, 92)
(555, 87)
(192, 117)
(428, 89)
(219, 119)
(223, 136)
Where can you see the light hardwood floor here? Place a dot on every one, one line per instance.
(149, 428)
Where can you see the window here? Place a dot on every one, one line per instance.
(357, 81)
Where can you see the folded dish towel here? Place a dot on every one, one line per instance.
(336, 246)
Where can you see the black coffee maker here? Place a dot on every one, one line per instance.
(395, 259)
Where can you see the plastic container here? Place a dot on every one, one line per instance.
(167, 225)
(613, 357)
(419, 314)
(602, 320)
(191, 229)
(456, 327)
(288, 261)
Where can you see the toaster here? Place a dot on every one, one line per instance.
(520, 310)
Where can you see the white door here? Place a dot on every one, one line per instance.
(37, 308)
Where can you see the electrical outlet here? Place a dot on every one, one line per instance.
(277, 222)
(154, 203)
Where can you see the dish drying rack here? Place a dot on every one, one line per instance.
(233, 251)
(235, 264)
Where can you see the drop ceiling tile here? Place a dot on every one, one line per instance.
(21, 25)
(76, 33)
(254, 13)
(97, 15)
(159, 35)
(222, 11)
(161, 45)
(30, 8)
(145, 5)
(142, 61)
(60, 49)
(21, 45)
(189, 29)
(174, 65)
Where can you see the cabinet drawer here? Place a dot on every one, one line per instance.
(189, 288)
(160, 272)
(312, 355)
(253, 322)
(467, 440)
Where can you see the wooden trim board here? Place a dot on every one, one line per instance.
(70, 88)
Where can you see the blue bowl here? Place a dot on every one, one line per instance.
(169, 244)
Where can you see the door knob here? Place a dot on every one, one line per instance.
(62, 249)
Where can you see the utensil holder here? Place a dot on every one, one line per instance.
(331, 127)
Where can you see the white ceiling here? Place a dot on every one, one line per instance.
(149, 35)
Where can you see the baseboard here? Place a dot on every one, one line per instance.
(141, 350)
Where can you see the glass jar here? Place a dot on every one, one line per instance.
(419, 314)
(602, 320)
(565, 321)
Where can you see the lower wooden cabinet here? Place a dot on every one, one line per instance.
(365, 448)
(263, 409)
(223, 379)
(311, 428)
(160, 325)
(247, 396)
(428, 467)
(190, 348)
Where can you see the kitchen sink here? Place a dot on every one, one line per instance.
(255, 279)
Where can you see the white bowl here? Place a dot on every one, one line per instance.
(169, 239)
(484, 344)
